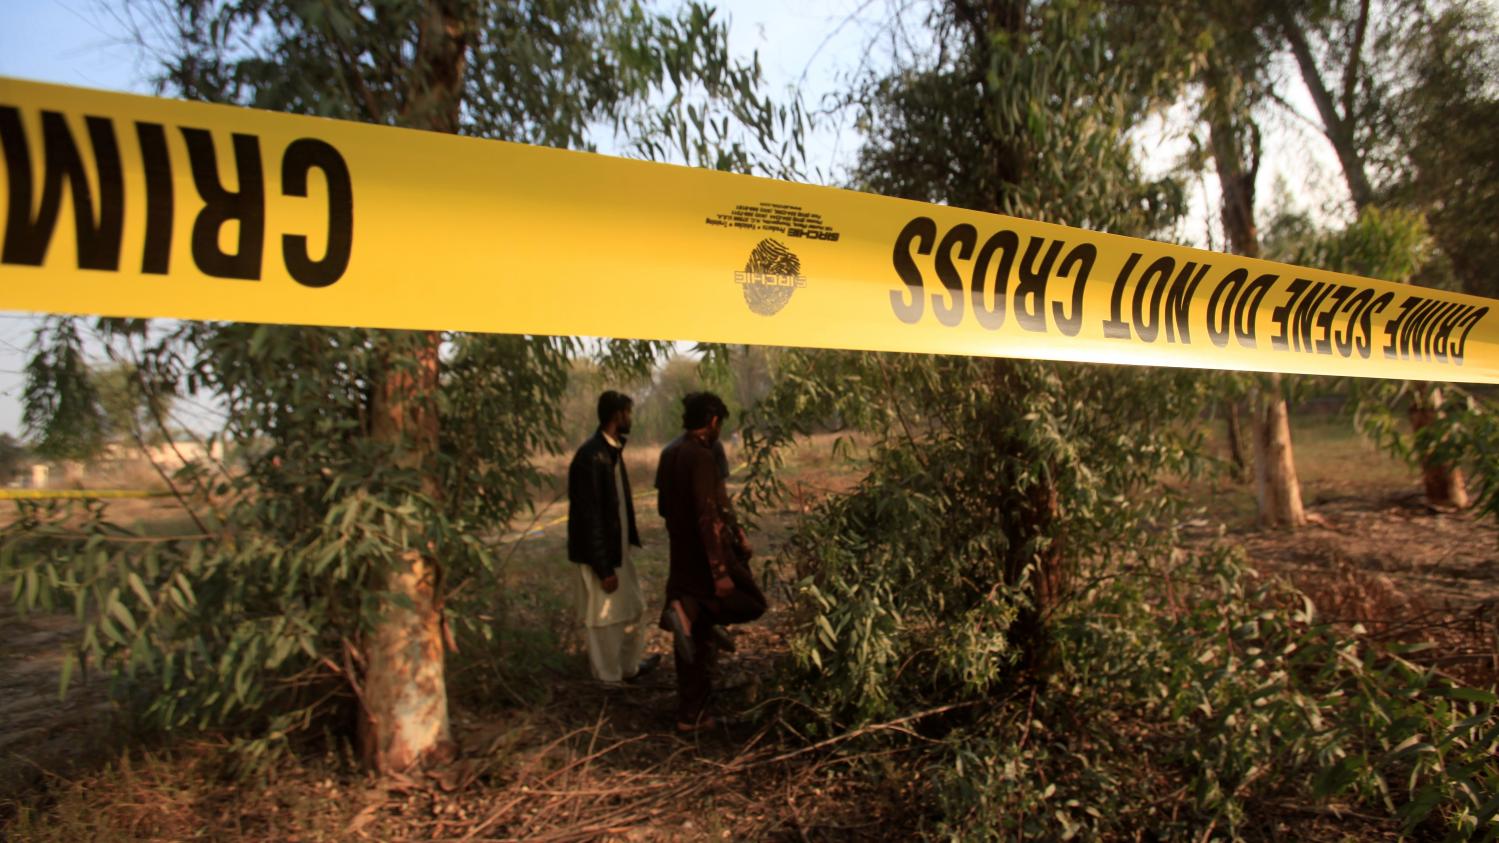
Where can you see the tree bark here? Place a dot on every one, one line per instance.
(1236, 449)
(405, 691)
(1277, 488)
(1235, 141)
(1034, 562)
(1049, 578)
(1445, 484)
(1338, 127)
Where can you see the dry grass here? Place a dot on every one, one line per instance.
(534, 779)
(1332, 462)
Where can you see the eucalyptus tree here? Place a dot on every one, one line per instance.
(352, 543)
(1232, 61)
(1436, 147)
(1438, 132)
(62, 410)
(994, 485)
(1398, 86)
(1345, 27)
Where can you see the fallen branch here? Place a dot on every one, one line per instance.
(888, 726)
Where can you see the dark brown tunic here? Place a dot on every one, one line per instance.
(704, 538)
(694, 502)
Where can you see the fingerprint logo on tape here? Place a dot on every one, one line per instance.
(772, 273)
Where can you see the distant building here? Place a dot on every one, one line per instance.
(169, 456)
(121, 464)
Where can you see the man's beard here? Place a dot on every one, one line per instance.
(623, 429)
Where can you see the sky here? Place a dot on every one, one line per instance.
(809, 46)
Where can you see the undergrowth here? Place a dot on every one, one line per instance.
(1199, 700)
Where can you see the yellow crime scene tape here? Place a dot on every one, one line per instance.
(122, 205)
(76, 494)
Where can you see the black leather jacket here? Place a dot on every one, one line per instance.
(593, 530)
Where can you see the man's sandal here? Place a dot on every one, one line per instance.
(724, 640)
(700, 725)
(647, 666)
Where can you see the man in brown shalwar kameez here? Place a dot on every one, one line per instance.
(709, 582)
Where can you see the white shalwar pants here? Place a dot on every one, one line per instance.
(613, 624)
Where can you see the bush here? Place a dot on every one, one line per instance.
(1196, 695)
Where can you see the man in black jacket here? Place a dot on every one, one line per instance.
(600, 532)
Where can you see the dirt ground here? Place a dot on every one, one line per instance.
(38, 729)
(1374, 553)
(567, 759)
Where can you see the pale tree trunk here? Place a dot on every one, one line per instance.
(1445, 486)
(405, 691)
(1276, 486)
(406, 700)
(1236, 146)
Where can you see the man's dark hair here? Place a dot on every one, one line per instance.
(700, 408)
(612, 402)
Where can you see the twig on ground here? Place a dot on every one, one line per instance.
(891, 725)
(525, 789)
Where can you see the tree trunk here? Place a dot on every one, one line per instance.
(1276, 486)
(1445, 486)
(1034, 562)
(405, 694)
(1337, 127)
(1236, 450)
(1048, 580)
(1236, 142)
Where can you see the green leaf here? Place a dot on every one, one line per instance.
(122, 614)
(827, 627)
(69, 664)
(1487, 811)
(1465, 694)
(186, 588)
(110, 630)
(1413, 813)
(29, 599)
(139, 588)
